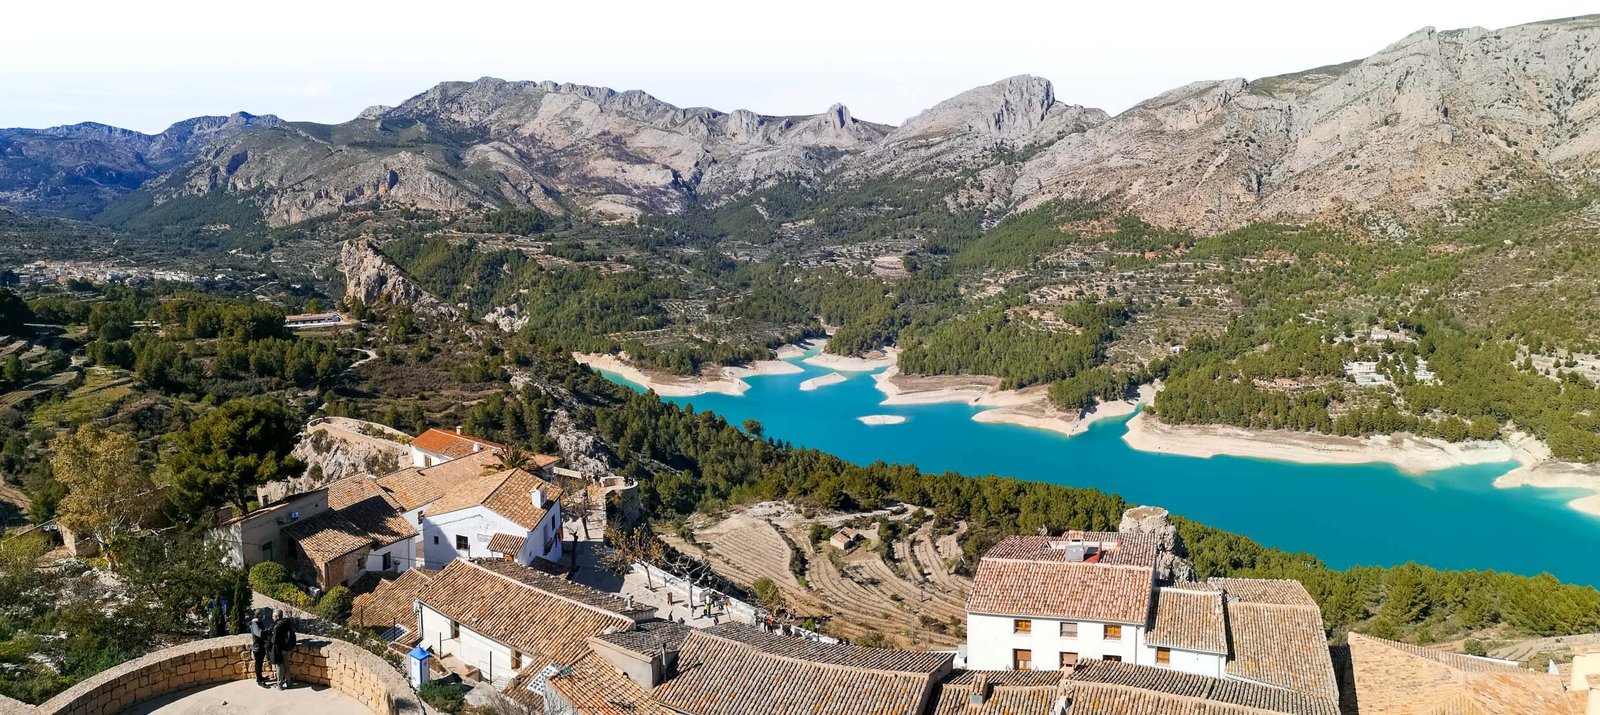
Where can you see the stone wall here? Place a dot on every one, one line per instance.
(344, 666)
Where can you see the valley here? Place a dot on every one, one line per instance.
(1343, 323)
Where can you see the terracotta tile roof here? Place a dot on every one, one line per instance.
(1269, 591)
(1147, 689)
(507, 493)
(1008, 692)
(734, 669)
(413, 487)
(373, 522)
(1277, 636)
(352, 490)
(391, 603)
(450, 444)
(1189, 619)
(593, 686)
(1112, 548)
(547, 627)
(507, 544)
(1394, 678)
(648, 638)
(554, 585)
(1046, 589)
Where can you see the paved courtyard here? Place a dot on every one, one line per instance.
(247, 698)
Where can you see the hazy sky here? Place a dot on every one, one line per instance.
(144, 65)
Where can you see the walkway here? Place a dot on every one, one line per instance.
(598, 576)
(244, 697)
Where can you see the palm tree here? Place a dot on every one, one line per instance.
(512, 457)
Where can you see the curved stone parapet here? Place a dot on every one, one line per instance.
(341, 665)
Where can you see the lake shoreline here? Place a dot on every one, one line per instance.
(1030, 407)
(728, 381)
(1026, 407)
(1409, 453)
(1553, 474)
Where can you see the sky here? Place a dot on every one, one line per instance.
(144, 65)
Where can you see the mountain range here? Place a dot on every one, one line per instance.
(1432, 118)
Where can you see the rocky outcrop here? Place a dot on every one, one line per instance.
(335, 451)
(579, 449)
(370, 278)
(1172, 564)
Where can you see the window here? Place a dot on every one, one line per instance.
(516, 660)
(1021, 659)
(1068, 659)
(435, 537)
(1069, 630)
(455, 630)
(1112, 659)
(462, 543)
(1021, 626)
(1113, 633)
(1163, 656)
(388, 561)
(266, 551)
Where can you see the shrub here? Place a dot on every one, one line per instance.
(267, 576)
(335, 604)
(444, 697)
(292, 595)
(767, 592)
(820, 532)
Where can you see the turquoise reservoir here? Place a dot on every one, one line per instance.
(1371, 514)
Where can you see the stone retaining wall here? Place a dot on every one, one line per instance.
(344, 666)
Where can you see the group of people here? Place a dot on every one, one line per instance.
(272, 637)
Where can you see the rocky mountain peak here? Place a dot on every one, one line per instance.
(1009, 109)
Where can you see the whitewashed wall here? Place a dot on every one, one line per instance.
(990, 641)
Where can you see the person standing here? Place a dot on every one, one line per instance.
(260, 637)
(283, 642)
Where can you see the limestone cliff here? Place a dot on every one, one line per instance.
(373, 280)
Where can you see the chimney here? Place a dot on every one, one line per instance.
(458, 429)
(537, 497)
(628, 601)
(476, 448)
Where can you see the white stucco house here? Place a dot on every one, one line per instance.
(437, 446)
(1043, 604)
(511, 508)
(1053, 602)
(498, 617)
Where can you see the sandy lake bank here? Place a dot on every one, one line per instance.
(1411, 454)
(832, 378)
(874, 360)
(727, 380)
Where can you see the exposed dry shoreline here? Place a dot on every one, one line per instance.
(1559, 475)
(875, 360)
(832, 378)
(1028, 407)
(729, 381)
(1411, 454)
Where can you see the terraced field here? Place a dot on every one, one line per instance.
(912, 601)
